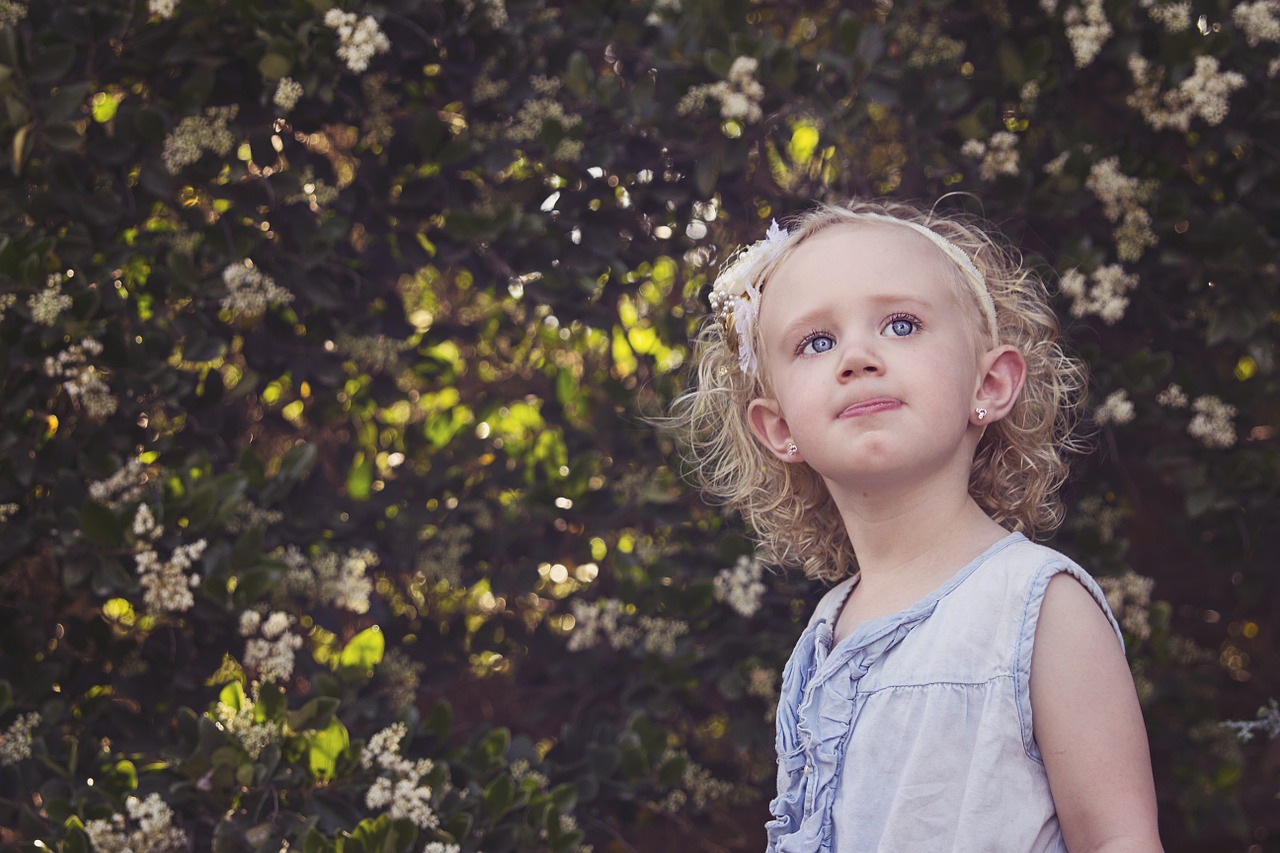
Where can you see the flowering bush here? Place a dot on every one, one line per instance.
(327, 515)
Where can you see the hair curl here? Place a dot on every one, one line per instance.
(1018, 467)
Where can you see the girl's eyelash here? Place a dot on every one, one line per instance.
(810, 338)
(910, 318)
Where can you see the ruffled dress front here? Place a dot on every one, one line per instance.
(915, 731)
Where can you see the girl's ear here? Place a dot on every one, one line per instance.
(1000, 384)
(770, 428)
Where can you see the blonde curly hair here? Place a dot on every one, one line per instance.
(1019, 465)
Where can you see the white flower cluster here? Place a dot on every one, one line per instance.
(253, 736)
(315, 193)
(1259, 21)
(375, 353)
(762, 682)
(359, 39)
(1267, 723)
(47, 305)
(654, 18)
(486, 88)
(1106, 296)
(1174, 17)
(522, 772)
(195, 135)
(741, 586)
(739, 94)
(527, 124)
(1116, 409)
(126, 485)
(401, 793)
(402, 675)
(495, 11)
(607, 619)
(327, 578)
(166, 585)
(696, 784)
(271, 652)
(442, 557)
(163, 9)
(1093, 511)
(8, 511)
(1212, 423)
(1205, 94)
(1122, 198)
(250, 290)
(999, 154)
(288, 92)
(11, 12)
(928, 46)
(153, 832)
(82, 381)
(249, 515)
(1055, 166)
(1129, 597)
(15, 743)
(1173, 397)
(440, 847)
(7, 301)
(1087, 29)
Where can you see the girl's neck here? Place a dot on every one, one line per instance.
(924, 533)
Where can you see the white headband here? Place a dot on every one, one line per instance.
(735, 298)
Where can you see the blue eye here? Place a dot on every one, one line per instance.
(900, 327)
(817, 343)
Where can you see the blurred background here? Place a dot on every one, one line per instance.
(330, 516)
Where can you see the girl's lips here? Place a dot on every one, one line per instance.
(869, 407)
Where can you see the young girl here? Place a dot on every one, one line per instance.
(880, 392)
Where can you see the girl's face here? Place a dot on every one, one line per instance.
(873, 361)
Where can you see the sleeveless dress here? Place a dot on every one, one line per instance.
(915, 731)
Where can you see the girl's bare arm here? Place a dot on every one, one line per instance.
(1089, 727)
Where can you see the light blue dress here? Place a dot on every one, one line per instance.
(915, 732)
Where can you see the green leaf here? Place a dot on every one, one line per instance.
(325, 747)
(65, 104)
(498, 797)
(271, 701)
(365, 650)
(360, 477)
(100, 525)
(298, 461)
(439, 719)
(1011, 64)
(707, 173)
(317, 713)
(233, 696)
(717, 61)
(316, 843)
(122, 778)
(579, 76)
(372, 833)
(273, 66)
(52, 62)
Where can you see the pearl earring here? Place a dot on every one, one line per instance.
(982, 414)
(792, 450)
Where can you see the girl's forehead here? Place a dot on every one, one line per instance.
(854, 257)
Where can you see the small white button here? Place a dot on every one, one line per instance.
(808, 771)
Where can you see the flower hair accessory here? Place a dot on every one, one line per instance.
(735, 298)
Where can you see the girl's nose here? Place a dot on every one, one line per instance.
(860, 360)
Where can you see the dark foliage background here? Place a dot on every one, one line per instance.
(347, 318)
